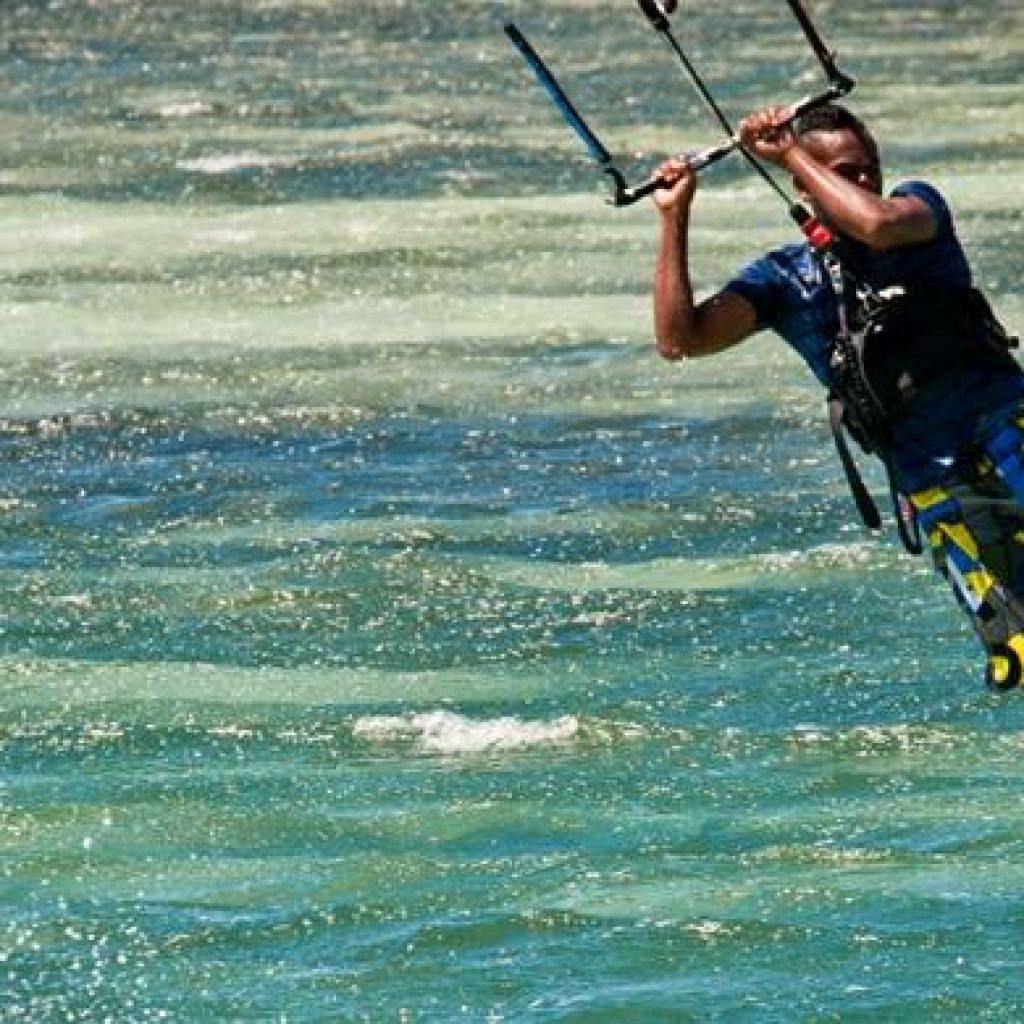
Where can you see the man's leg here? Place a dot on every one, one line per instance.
(977, 544)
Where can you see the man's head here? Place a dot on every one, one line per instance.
(840, 141)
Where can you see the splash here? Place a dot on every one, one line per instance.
(444, 732)
(227, 163)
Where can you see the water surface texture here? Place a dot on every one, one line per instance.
(386, 634)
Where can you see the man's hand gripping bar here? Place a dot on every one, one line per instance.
(698, 161)
(657, 12)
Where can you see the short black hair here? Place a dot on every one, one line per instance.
(831, 117)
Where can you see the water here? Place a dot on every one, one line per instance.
(386, 634)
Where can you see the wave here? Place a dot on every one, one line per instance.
(444, 732)
(184, 108)
(780, 569)
(228, 163)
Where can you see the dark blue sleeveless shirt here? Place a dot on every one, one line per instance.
(791, 294)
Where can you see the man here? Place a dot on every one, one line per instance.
(944, 395)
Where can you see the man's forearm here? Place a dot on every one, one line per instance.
(673, 295)
(879, 222)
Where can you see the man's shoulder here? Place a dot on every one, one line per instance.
(783, 260)
(914, 186)
(793, 267)
(784, 282)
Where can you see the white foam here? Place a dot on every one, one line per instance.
(444, 732)
(184, 108)
(226, 163)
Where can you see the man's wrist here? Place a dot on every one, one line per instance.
(675, 216)
(790, 156)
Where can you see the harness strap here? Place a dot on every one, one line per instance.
(865, 503)
(903, 511)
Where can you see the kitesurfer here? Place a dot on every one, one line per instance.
(933, 390)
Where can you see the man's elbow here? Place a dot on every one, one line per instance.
(889, 230)
(673, 347)
(671, 350)
(879, 234)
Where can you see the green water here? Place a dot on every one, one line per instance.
(386, 634)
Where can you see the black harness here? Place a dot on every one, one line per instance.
(892, 347)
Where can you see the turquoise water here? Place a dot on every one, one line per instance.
(386, 634)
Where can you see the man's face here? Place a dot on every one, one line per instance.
(843, 152)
